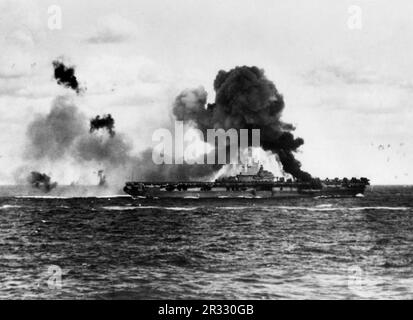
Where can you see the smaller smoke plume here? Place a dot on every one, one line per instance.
(41, 181)
(53, 135)
(64, 132)
(105, 122)
(102, 178)
(65, 76)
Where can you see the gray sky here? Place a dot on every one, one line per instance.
(348, 91)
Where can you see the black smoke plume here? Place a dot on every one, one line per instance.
(245, 99)
(41, 181)
(105, 122)
(65, 76)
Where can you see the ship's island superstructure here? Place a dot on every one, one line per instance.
(253, 182)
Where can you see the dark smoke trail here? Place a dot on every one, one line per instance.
(245, 99)
(105, 122)
(41, 181)
(65, 76)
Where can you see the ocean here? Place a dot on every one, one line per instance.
(122, 248)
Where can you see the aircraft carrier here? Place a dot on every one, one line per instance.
(253, 182)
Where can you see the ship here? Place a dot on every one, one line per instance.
(252, 182)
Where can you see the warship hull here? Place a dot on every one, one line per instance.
(154, 192)
(248, 184)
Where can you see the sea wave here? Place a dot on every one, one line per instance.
(331, 208)
(324, 206)
(43, 197)
(234, 208)
(73, 197)
(381, 208)
(9, 206)
(121, 196)
(127, 208)
(319, 208)
(120, 208)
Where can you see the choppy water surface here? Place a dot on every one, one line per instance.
(115, 248)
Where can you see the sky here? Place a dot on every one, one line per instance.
(347, 90)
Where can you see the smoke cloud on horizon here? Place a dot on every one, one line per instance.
(41, 181)
(63, 134)
(245, 99)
